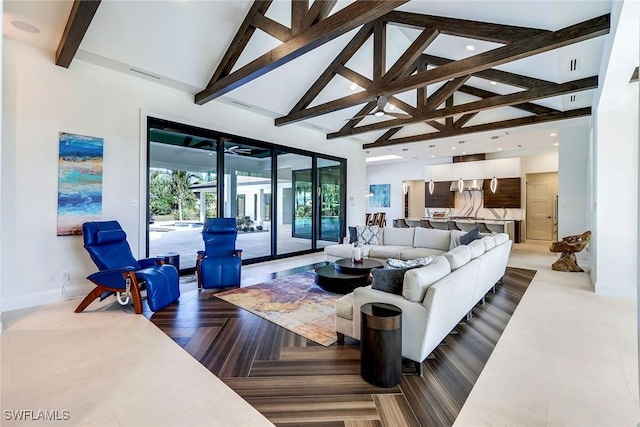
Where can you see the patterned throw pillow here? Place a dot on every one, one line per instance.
(413, 263)
(388, 279)
(368, 234)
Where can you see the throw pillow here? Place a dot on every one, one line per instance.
(470, 236)
(413, 263)
(368, 234)
(388, 279)
(454, 242)
(353, 235)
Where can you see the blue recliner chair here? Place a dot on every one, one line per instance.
(219, 265)
(107, 245)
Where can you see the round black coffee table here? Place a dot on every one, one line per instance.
(344, 275)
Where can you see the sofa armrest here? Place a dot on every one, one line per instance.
(414, 318)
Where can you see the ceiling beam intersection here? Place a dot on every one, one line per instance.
(504, 124)
(352, 16)
(544, 42)
(477, 106)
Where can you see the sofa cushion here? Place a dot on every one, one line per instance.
(345, 250)
(454, 241)
(399, 236)
(344, 306)
(368, 234)
(387, 251)
(477, 248)
(413, 253)
(431, 238)
(389, 279)
(469, 237)
(500, 238)
(401, 263)
(417, 280)
(458, 257)
(489, 242)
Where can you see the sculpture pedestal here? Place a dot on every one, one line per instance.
(568, 247)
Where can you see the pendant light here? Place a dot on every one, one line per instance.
(460, 185)
(494, 184)
(432, 186)
(405, 188)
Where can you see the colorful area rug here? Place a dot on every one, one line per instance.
(294, 302)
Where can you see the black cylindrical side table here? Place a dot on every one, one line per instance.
(381, 344)
(172, 258)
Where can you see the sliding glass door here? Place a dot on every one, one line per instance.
(197, 173)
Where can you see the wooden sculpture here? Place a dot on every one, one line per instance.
(569, 246)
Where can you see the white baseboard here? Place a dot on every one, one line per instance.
(613, 291)
(40, 298)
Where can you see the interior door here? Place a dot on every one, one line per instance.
(542, 189)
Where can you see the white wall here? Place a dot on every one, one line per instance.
(617, 194)
(572, 182)
(394, 174)
(40, 100)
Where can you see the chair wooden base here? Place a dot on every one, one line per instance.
(100, 289)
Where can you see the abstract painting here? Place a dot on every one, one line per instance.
(380, 198)
(79, 182)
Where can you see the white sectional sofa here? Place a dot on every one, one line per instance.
(400, 243)
(435, 297)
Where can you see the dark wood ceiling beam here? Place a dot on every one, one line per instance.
(477, 106)
(421, 92)
(449, 120)
(634, 76)
(354, 15)
(527, 106)
(463, 120)
(491, 74)
(82, 13)
(240, 40)
(299, 9)
(532, 46)
(388, 134)
(444, 92)
(379, 50)
(505, 124)
(436, 125)
(347, 52)
(319, 10)
(353, 76)
(408, 59)
(271, 27)
(496, 33)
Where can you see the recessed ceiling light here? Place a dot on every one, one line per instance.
(464, 152)
(499, 148)
(21, 25)
(392, 107)
(493, 83)
(470, 47)
(557, 143)
(432, 156)
(353, 86)
(405, 149)
(453, 148)
(553, 134)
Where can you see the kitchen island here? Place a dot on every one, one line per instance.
(468, 223)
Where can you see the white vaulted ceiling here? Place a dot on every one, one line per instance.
(180, 43)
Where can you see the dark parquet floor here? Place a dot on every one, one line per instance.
(295, 382)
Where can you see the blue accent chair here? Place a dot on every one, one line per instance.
(219, 265)
(107, 245)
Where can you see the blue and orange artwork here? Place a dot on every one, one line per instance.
(79, 182)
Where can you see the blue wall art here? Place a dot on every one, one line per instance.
(380, 198)
(79, 182)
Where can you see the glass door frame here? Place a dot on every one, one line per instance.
(276, 149)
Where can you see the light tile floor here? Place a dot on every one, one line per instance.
(567, 358)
